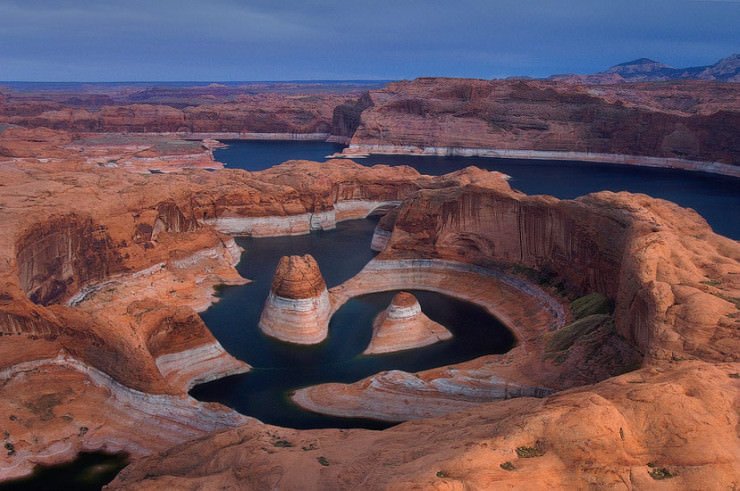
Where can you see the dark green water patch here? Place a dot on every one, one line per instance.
(90, 471)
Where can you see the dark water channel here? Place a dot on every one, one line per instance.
(280, 368)
(89, 472)
(716, 198)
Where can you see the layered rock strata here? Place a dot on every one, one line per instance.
(297, 309)
(250, 113)
(56, 407)
(674, 123)
(594, 244)
(315, 197)
(383, 229)
(523, 307)
(115, 285)
(673, 282)
(404, 326)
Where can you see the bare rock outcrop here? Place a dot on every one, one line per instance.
(181, 111)
(404, 326)
(297, 309)
(549, 119)
(105, 361)
(383, 230)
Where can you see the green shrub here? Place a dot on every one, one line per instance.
(564, 338)
(591, 304)
(530, 452)
(660, 473)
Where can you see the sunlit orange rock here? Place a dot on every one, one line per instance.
(404, 326)
(297, 309)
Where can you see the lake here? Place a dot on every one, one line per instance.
(716, 198)
(280, 368)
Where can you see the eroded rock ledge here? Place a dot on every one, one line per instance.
(93, 412)
(116, 283)
(672, 281)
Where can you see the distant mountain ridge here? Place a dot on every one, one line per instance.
(647, 70)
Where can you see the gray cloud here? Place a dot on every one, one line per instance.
(289, 39)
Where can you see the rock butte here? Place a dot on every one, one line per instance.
(673, 326)
(103, 293)
(98, 296)
(403, 326)
(297, 309)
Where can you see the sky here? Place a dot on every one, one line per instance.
(240, 40)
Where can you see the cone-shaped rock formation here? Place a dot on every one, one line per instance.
(298, 308)
(403, 326)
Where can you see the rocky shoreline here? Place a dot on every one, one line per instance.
(360, 150)
(468, 234)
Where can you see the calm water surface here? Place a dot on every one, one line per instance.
(89, 472)
(280, 368)
(716, 198)
(263, 154)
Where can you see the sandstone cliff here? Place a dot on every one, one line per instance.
(247, 113)
(684, 120)
(611, 243)
(102, 358)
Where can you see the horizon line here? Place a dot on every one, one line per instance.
(307, 80)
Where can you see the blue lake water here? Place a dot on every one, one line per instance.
(716, 198)
(280, 368)
(262, 154)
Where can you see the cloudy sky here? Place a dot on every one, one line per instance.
(144, 40)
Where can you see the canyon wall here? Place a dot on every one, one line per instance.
(676, 122)
(62, 254)
(683, 120)
(256, 113)
(616, 244)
